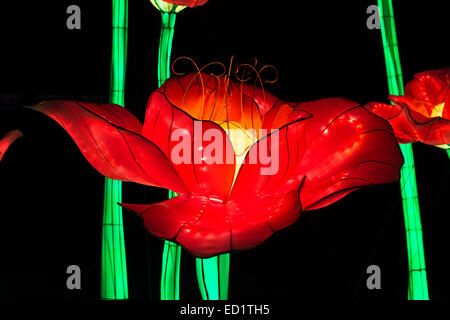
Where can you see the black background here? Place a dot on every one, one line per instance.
(51, 198)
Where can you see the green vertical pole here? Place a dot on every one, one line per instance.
(170, 272)
(165, 45)
(114, 266)
(417, 285)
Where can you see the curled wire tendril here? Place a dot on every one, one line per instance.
(229, 75)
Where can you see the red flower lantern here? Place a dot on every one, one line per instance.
(244, 163)
(7, 140)
(423, 113)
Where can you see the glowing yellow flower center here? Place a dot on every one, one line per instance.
(241, 139)
(437, 110)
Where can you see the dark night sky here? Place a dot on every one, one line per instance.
(52, 198)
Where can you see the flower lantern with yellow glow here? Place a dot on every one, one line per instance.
(423, 113)
(244, 163)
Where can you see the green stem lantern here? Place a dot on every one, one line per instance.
(114, 266)
(417, 285)
(165, 45)
(213, 276)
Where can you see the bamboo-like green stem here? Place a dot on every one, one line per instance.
(165, 45)
(213, 276)
(114, 266)
(171, 257)
(417, 286)
(170, 272)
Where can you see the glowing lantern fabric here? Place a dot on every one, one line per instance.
(187, 3)
(7, 140)
(423, 113)
(232, 197)
(176, 6)
(109, 138)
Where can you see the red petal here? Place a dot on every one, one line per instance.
(277, 175)
(347, 148)
(428, 85)
(115, 152)
(282, 114)
(337, 150)
(263, 98)
(115, 114)
(207, 228)
(386, 111)
(7, 140)
(419, 109)
(163, 120)
(217, 99)
(187, 3)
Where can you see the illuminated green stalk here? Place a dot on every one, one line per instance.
(448, 153)
(171, 258)
(417, 286)
(114, 266)
(165, 45)
(213, 277)
(170, 272)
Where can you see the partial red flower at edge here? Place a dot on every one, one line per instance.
(187, 3)
(423, 113)
(7, 140)
(327, 148)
